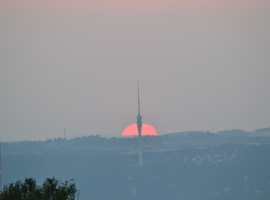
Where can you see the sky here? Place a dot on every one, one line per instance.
(74, 64)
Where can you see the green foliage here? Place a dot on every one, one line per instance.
(52, 189)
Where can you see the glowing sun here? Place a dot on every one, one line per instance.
(132, 130)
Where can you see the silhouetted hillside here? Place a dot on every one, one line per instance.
(200, 165)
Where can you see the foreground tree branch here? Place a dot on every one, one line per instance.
(52, 189)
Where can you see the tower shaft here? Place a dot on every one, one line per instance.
(140, 151)
(139, 126)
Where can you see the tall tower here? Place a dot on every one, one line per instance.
(139, 125)
(1, 187)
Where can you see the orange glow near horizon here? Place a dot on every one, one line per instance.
(132, 130)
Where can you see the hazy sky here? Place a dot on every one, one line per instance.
(74, 64)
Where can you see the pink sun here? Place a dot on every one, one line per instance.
(132, 130)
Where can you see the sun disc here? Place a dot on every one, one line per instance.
(132, 130)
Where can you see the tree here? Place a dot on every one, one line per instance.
(52, 189)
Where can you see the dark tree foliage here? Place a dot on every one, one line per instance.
(52, 189)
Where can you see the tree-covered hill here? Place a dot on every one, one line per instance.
(176, 166)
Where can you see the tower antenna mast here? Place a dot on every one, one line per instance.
(139, 126)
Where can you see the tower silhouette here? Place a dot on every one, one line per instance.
(139, 125)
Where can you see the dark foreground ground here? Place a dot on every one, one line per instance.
(177, 166)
